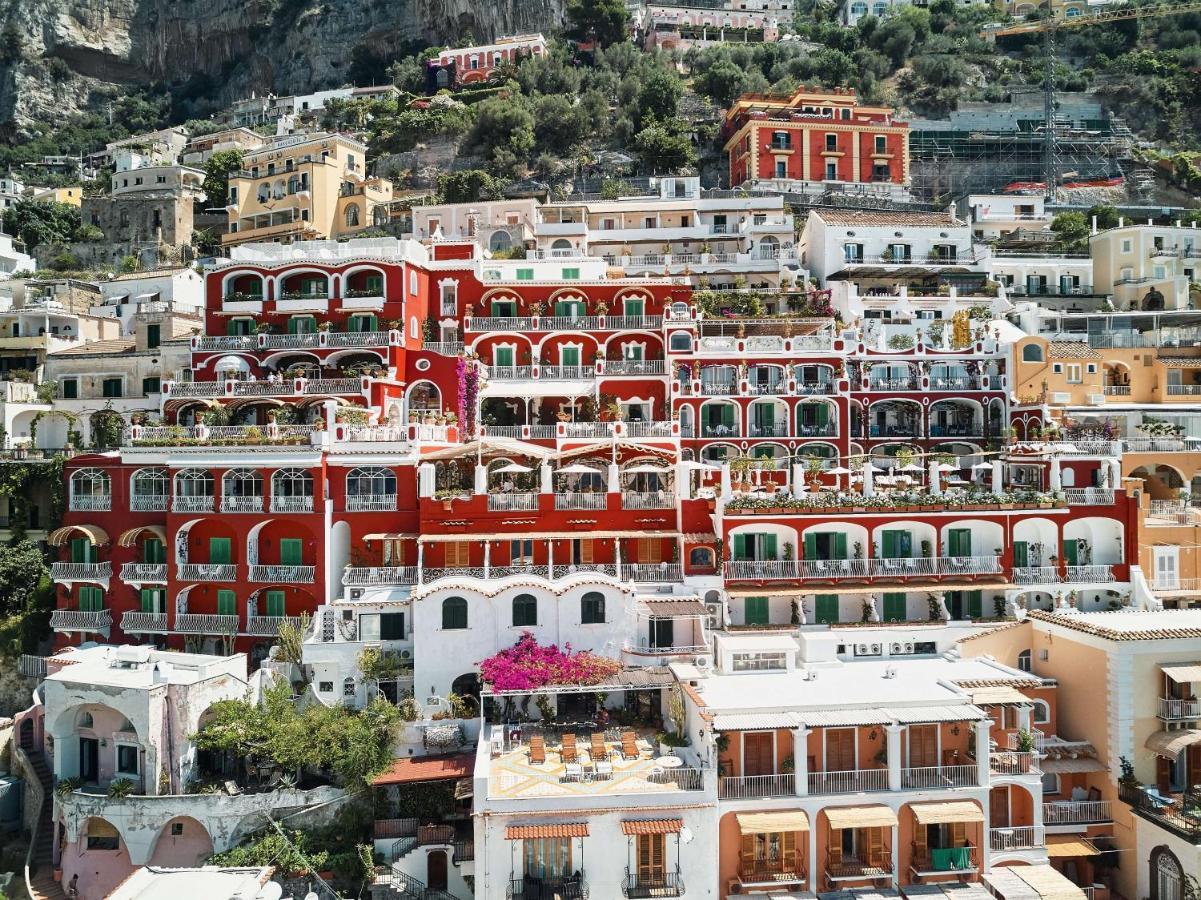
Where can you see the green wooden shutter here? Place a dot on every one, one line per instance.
(811, 545)
(503, 356)
(91, 599)
(149, 598)
(1021, 554)
(392, 626)
(755, 611)
(227, 603)
(569, 356)
(840, 546)
(82, 551)
(975, 604)
(293, 326)
(822, 417)
(826, 608)
(740, 546)
(275, 603)
(290, 551)
(1071, 552)
(375, 284)
(632, 307)
(959, 541)
(727, 415)
(153, 551)
(220, 550)
(894, 607)
(890, 544)
(767, 544)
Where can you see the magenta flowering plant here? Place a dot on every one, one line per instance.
(527, 665)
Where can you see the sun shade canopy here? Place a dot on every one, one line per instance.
(773, 822)
(861, 817)
(652, 826)
(556, 830)
(942, 812)
(93, 533)
(1184, 673)
(129, 536)
(1170, 743)
(1063, 845)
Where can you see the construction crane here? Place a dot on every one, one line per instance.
(1048, 27)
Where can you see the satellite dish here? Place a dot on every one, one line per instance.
(685, 834)
(272, 890)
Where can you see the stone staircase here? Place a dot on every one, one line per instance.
(39, 873)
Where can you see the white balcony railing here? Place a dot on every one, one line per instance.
(283, 574)
(148, 503)
(849, 782)
(938, 777)
(80, 620)
(207, 572)
(576, 500)
(291, 504)
(1035, 575)
(72, 571)
(1012, 762)
(1075, 812)
(1090, 496)
(136, 622)
(370, 502)
(268, 626)
(379, 576)
(1171, 708)
(192, 504)
(513, 502)
(205, 623)
(746, 787)
(91, 502)
(647, 500)
(1076, 574)
(1017, 837)
(241, 504)
(138, 572)
(650, 573)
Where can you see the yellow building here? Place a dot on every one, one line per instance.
(1146, 267)
(306, 187)
(72, 194)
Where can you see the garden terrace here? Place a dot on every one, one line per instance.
(843, 502)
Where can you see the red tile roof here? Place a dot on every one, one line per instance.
(555, 830)
(652, 826)
(427, 768)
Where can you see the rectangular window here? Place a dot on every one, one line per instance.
(151, 386)
(111, 387)
(91, 599)
(525, 274)
(392, 626)
(153, 551)
(592, 609)
(756, 611)
(70, 388)
(82, 551)
(1074, 373)
(275, 603)
(220, 550)
(290, 551)
(571, 274)
(152, 600)
(127, 760)
(153, 338)
(881, 144)
(959, 542)
(652, 858)
(894, 607)
(825, 609)
(227, 603)
(369, 627)
(457, 554)
(831, 143)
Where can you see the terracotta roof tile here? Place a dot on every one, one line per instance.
(1072, 350)
(867, 217)
(554, 830)
(1114, 634)
(116, 345)
(651, 826)
(981, 634)
(428, 768)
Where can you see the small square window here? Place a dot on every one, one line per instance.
(1127, 245)
(525, 274)
(127, 759)
(70, 388)
(325, 687)
(1057, 368)
(176, 829)
(1092, 368)
(571, 274)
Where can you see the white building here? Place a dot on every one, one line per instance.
(13, 257)
(180, 291)
(11, 191)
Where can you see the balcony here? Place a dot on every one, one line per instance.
(71, 571)
(1087, 574)
(861, 569)
(1016, 837)
(202, 623)
(225, 342)
(1076, 812)
(667, 884)
(634, 367)
(194, 504)
(513, 502)
(772, 872)
(853, 781)
(754, 787)
(370, 502)
(718, 388)
(241, 504)
(769, 429)
(574, 500)
(647, 500)
(1172, 710)
(207, 572)
(529, 887)
(892, 384)
(946, 861)
(380, 576)
(81, 621)
(148, 503)
(1012, 762)
(1026, 575)
(926, 778)
(140, 573)
(1178, 815)
(91, 502)
(1090, 496)
(282, 574)
(291, 504)
(268, 626)
(134, 622)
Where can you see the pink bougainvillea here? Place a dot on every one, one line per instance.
(527, 666)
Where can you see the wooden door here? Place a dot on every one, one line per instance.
(923, 746)
(998, 807)
(435, 870)
(875, 847)
(758, 753)
(650, 550)
(652, 862)
(840, 749)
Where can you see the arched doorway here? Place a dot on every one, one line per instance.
(467, 686)
(435, 870)
(1167, 882)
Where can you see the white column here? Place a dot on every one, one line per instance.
(550, 559)
(895, 853)
(481, 479)
(614, 485)
(1056, 475)
(982, 751)
(868, 485)
(487, 559)
(800, 760)
(798, 479)
(420, 566)
(1024, 717)
(935, 478)
(726, 486)
(425, 480)
(683, 482)
(893, 738)
(546, 481)
(998, 476)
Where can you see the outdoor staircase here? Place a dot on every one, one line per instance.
(393, 884)
(39, 872)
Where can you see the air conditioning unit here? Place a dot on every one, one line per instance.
(1096, 399)
(406, 654)
(896, 648)
(863, 649)
(704, 661)
(356, 593)
(1061, 397)
(717, 615)
(908, 646)
(877, 649)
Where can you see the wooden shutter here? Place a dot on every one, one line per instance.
(275, 603)
(840, 545)
(649, 550)
(755, 612)
(923, 745)
(875, 847)
(920, 846)
(894, 607)
(834, 848)
(220, 550)
(748, 848)
(1163, 775)
(768, 542)
(826, 608)
(1021, 554)
(290, 551)
(811, 545)
(227, 603)
(585, 550)
(958, 834)
(457, 554)
(1071, 552)
(651, 853)
(840, 750)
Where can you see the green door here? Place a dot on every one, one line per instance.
(727, 417)
(894, 607)
(361, 323)
(275, 603)
(897, 544)
(290, 551)
(825, 608)
(502, 357)
(765, 417)
(1071, 552)
(959, 542)
(504, 309)
(220, 550)
(569, 356)
(153, 551)
(152, 600)
(82, 551)
(755, 611)
(227, 603)
(840, 546)
(91, 599)
(1021, 554)
(975, 604)
(302, 325)
(740, 547)
(632, 307)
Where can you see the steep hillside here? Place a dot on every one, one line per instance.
(56, 54)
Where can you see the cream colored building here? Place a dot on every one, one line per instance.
(1146, 267)
(307, 187)
(72, 195)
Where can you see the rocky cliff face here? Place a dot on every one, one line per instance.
(285, 46)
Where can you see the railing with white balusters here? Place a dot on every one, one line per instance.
(80, 620)
(137, 622)
(1012, 762)
(853, 781)
(193, 503)
(651, 573)
(936, 777)
(148, 503)
(748, 787)
(245, 504)
(1088, 573)
(647, 500)
(207, 572)
(91, 502)
(1016, 837)
(282, 574)
(142, 572)
(73, 571)
(379, 576)
(1089, 496)
(572, 500)
(1172, 708)
(513, 502)
(1075, 812)
(290, 504)
(370, 502)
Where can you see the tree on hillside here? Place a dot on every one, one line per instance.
(603, 21)
(22, 566)
(665, 146)
(1071, 229)
(469, 186)
(217, 170)
(41, 222)
(658, 96)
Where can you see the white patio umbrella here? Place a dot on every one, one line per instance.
(644, 470)
(577, 469)
(911, 467)
(511, 469)
(981, 466)
(947, 467)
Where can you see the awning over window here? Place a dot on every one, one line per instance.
(861, 817)
(1031, 883)
(773, 822)
(998, 695)
(1170, 743)
(390, 536)
(93, 533)
(941, 812)
(1184, 673)
(556, 830)
(1059, 845)
(130, 536)
(652, 826)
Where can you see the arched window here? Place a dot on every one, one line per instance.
(525, 610)
(859, 9)
(1024, 661)
(1032, 353)
(1042, 712)
(454, 614)
(193, 483)
(352, 215)
(500, 240)
(292, 483)
(879, 9)
(592, 608)
(293, 184)
(681, 341)
(85, 721)
(425, 395)
(264, 192)
(1167, 876)
(700, 557)
(150, 490)
(371, 481)
(91, 489)
(242, 483)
